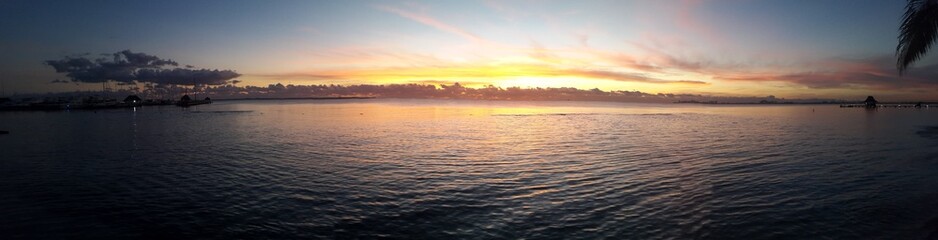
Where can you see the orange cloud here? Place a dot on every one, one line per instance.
(474, 72)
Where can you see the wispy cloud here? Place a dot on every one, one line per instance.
(432, 22)
(687, 19)
(873, 73)
(621, 76)
(350, 57)
(444, 82)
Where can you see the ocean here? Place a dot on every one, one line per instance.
(455, 169)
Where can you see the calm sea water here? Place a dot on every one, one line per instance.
(419, 169)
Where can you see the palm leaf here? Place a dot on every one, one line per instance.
(917, 33)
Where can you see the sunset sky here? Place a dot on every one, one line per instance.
(792, 49)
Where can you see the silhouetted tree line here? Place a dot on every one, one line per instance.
(457, 91)
(419, 91)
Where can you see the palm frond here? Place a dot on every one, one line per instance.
(917, 33)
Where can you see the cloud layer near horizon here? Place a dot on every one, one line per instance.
(873, 73)
(475, 72)
(722, 48)
(677, 48)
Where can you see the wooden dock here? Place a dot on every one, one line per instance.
(892, 105)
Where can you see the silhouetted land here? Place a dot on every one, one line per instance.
(419, 91)
(296, 98)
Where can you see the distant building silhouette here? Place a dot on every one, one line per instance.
(870, 102)
(132, 98)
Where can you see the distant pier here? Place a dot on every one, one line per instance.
(871, 102)
(890, 105)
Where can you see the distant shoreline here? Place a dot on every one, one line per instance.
(757, 103)
(295, 98)
(801, 103)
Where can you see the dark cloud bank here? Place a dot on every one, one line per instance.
(130, 67)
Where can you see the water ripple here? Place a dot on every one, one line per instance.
(261, 170)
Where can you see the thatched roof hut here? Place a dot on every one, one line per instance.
(870, 102)
(133, 98)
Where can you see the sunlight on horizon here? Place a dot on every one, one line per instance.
(468, 119)
(714, 48)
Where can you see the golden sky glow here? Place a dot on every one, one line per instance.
(725, 48)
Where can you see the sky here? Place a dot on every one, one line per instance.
(792, 49)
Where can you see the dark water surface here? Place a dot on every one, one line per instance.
(419, 169)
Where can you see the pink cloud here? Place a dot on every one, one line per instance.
(873, 73)
(583, 39)
(432, 22)
(687, 20)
